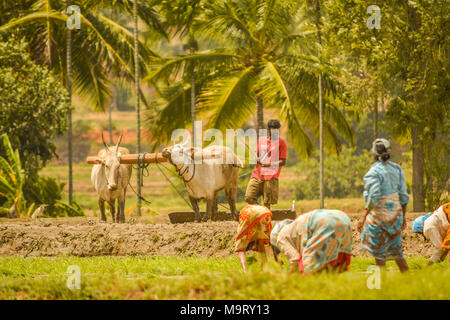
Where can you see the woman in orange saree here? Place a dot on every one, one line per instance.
(255, 225)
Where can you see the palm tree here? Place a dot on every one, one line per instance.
(69, 91)
(180, 16)
(317, 16)
(43, 24)
(138, 109)
(259, 66)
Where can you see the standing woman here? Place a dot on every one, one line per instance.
(386, 199)
(255, 225)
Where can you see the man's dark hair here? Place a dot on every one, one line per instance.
(274, 124)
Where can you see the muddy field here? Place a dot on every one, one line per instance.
(89, 237)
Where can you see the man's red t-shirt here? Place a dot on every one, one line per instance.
(269, 152)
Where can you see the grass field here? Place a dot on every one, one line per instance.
(211, 278)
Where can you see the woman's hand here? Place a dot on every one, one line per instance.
(362, 221)
(361, 224)
(404, 216)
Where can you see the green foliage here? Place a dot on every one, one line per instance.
(437, 172)
(212, 278)
(65, 209)
(344, 175)
(12, 179)
(45, 190)
(263, 49)
(43, 24)
(33, 105)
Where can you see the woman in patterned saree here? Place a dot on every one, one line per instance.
(315, 241)
(255, 225)
(386, 199)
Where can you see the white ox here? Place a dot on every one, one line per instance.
(220, 170)
(110, 179)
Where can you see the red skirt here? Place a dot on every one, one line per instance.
(341, 263)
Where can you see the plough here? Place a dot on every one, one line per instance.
(188, 216)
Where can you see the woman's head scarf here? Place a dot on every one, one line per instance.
(381, 141)
(419, 222)
(276, 231)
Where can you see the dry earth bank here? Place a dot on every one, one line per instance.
(89, 237)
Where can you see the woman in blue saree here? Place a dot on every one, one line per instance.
(386, 199)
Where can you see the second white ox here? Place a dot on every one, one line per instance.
(220, 170)
(110, 179)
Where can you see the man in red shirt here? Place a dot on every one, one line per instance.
(271, 156)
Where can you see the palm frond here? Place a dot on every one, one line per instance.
(175, 113)
(231, 100)
(275, 90)
(204, 62)
(223, 22)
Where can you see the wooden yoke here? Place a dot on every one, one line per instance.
(132, 158)
(158, 157)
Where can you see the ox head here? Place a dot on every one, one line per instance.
(110, 162)
(179, 153)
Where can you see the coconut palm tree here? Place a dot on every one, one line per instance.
(100, 48)
(266, 61)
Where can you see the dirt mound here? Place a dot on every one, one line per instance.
(90, 237)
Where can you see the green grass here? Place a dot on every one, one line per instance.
(211, 278)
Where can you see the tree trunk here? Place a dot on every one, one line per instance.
(193, 107)
(321, 110)
(418, 174)
(259, 113)
(49, 41)
(69, 90)
(138, 108)
(322, 195)
(375, 117)
(192, 48)
(111, 106)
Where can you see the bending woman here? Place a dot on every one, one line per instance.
(255, 225)
(315, 241)
(386, 199)
(436, 228)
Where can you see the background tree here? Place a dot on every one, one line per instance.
(409, 55)
(43, 23)
(33, 106)
(259, 64)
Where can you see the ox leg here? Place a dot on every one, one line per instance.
(112, 208)
(121, 210)
(210, 204)
(215, 207)
(231, 197)
(122, 206)
(101, 205)
(194, 203)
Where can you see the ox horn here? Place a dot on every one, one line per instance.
(118, 142)
(104, 143)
